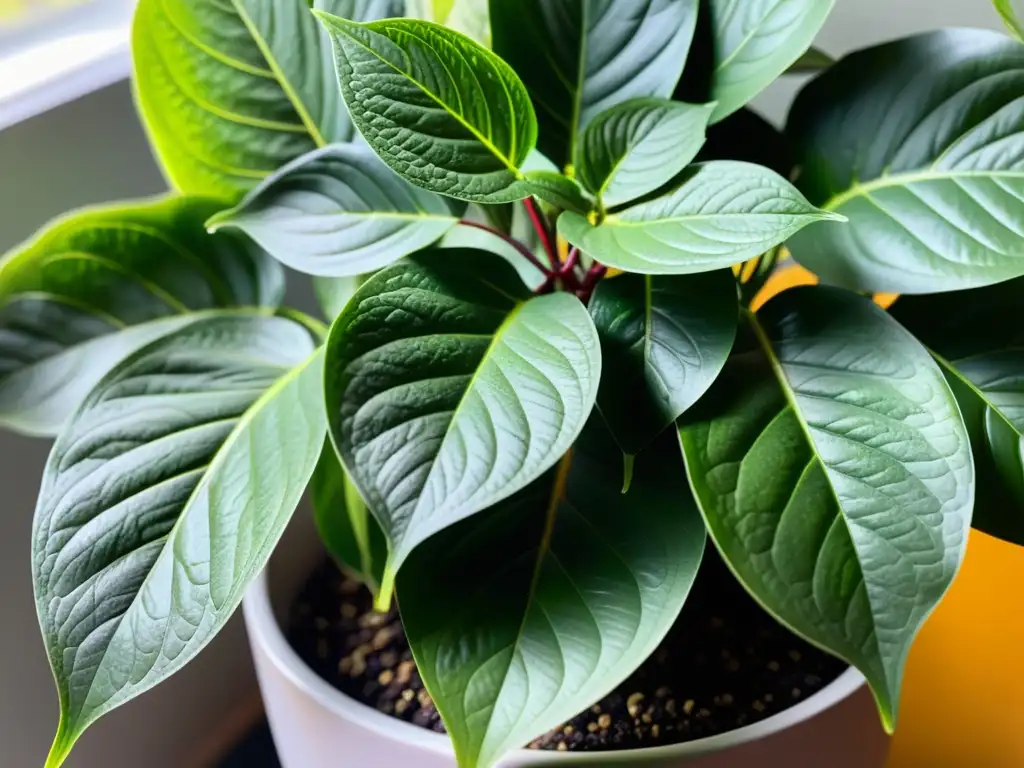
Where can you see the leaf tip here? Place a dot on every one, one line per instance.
(627, 471)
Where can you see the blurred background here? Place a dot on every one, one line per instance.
(69, 137)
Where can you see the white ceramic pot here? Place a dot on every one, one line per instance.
(316, 726)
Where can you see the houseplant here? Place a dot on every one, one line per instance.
(527, 266)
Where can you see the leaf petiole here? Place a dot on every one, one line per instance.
(542, 230)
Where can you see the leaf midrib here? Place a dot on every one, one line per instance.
(976, 390)
(437, 100)
(886, 181)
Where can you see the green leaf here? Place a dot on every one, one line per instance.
(231, 90)
(720, 214)
(521, 229)
(745, 135)
(98, 284)
(636, 147)
(449, 388)
(333, 293)
(919, 143)
(162, 500)
(979, 345)
(558, 190)
(755, 41)
(581, 57)
(835, 476)
(551, 598)
(440, 109)
(813, 61)
(338, 212)
(665, 339)
(345, 525)
(1012, 12)
(472, 18)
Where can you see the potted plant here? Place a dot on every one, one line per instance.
(540, 235)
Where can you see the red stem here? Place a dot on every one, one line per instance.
(523, 250)
(542, 231)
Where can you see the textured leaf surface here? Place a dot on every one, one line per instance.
(102, 282)
(345, 525)
(581, 57)
(835, 476)
(163, 499)
(634, 148)
(553, 597)
(1012, 12)
(755, 41)
(338, 212)
(721, 213)
(978, 343)
(440, 109)
(449, 388)
(667, 339)
(231, 90)
(921, 144)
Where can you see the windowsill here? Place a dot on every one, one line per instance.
(62, 56)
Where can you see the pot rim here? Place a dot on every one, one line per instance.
(265, 631)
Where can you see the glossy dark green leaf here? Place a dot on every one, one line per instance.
(98, 284)
(978, 343)
(440, 109)
(552, 597)
(232, 90)
(581, 57)
(162, 500)
(345, 525)
(636, 147)
(1012, 12)
(720, 214)
(338, 212)
(755, 41)
(920, 143)
(664, 340)
(835, 476)
(747, 136)
(449, 388)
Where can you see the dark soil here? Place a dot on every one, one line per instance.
(725, 664)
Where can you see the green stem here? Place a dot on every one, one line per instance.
(311, 324)
(382, 602)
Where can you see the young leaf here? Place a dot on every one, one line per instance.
(101, 282)
(666, 338)
(345, 525)
(835, 476)
(581, 57)
(755, 41)
(1012, 12)
(440, 109)
(980, 347)
(448, 389)
(919, 143)
(231, 91)
(722, 213)
(634, 148)
(553, 597)
(558, 190)
(163, 499)
(338, 212)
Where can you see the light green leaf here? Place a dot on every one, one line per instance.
(558, 190)
(345, 525)
(231, 90)
(921, 144)
(440, 109)
(835, 476)
(98, 284)
(667, 339)
(162, 500)
(813, 61)
(1012, 12)
(722, 213)
(449, 388)
(581, 57)
(472, 18)
(634, 148)
(338, 212)
(471, 237)
(333, 293)
(521, 617)
(755, 41)
(979, 344)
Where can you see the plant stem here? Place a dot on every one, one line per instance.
(522, 249)
(541, 227)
